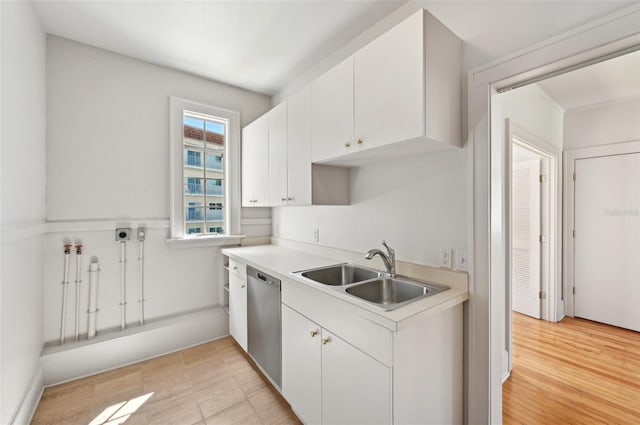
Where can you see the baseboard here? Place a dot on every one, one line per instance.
(26, 409)
(117, 348)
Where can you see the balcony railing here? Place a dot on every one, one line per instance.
(193, 214)
(210, 164)
(215, 215)
(197, 189)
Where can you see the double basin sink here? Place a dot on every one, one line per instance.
(371, 285)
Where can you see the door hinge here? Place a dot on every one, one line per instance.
(543, 178)
(573, 290)
(573, 233)
(543, 239)
(574, 176)
(541, 295)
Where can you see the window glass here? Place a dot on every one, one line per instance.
(204, 139)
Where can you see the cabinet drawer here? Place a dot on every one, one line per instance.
(341, 318)
(238, 268)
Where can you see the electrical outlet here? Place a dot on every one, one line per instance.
(444, 259)
(316, 235)
(460, 259)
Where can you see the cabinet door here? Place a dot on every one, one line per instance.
(332, 112)
(301, 365)
(278, 155)
(389, 86)
(299, 148)
(356, 389)
(255, 163)
(238, 310)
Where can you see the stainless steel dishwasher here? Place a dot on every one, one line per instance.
(264, 323)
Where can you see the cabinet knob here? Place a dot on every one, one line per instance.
(243, 286)
(314, 333)
(284, 199)
(325, 341)
(347, 145)
(291, 198)
(235, 267)
(359, 141)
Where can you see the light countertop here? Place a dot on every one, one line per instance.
(280, 262)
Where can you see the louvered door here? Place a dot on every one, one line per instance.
(525, 242)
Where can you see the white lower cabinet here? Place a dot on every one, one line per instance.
(301, 365)
(238, 309)
(327, 380)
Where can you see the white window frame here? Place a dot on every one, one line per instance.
(231, 166)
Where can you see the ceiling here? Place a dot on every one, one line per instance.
(607, 81)
(263, 45)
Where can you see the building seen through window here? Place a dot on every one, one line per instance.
(204, 140)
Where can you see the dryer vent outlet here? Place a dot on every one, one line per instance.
(123, 234)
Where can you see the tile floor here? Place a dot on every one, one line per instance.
(213, 383)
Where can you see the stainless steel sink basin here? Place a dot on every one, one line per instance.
(341, 274)
(390, 293)
(371, 286)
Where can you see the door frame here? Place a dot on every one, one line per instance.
(551, 257)
(570, 157)
(606, 37)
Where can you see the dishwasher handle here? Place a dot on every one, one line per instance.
(261, 277)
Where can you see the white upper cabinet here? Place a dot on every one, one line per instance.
(278, 155)
(389, 86)
(255, 163)
(299, 148)
(332, 112)
(402, 97)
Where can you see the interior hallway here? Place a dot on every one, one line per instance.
(572, 372)
(213, 383)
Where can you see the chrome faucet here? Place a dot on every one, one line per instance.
(389, 259)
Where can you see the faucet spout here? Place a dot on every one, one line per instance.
(389, 259)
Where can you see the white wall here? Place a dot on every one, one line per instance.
(602, 124)
(416, 204)
(23, 205)
(532, 109)
(108, 158)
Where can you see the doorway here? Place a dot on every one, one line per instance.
(534, 220)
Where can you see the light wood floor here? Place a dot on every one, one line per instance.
(213, 383)
(572, 372)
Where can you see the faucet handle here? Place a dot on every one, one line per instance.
(389, 249)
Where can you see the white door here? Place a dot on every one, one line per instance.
(238, 310)
(301, 367)
(389, 86)
(607, 240)
(356, 389)
(332, 112)
(278, 155)
(525, 234)
(255, 163)
(299, 148)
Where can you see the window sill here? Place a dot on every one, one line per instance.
(204, 241)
